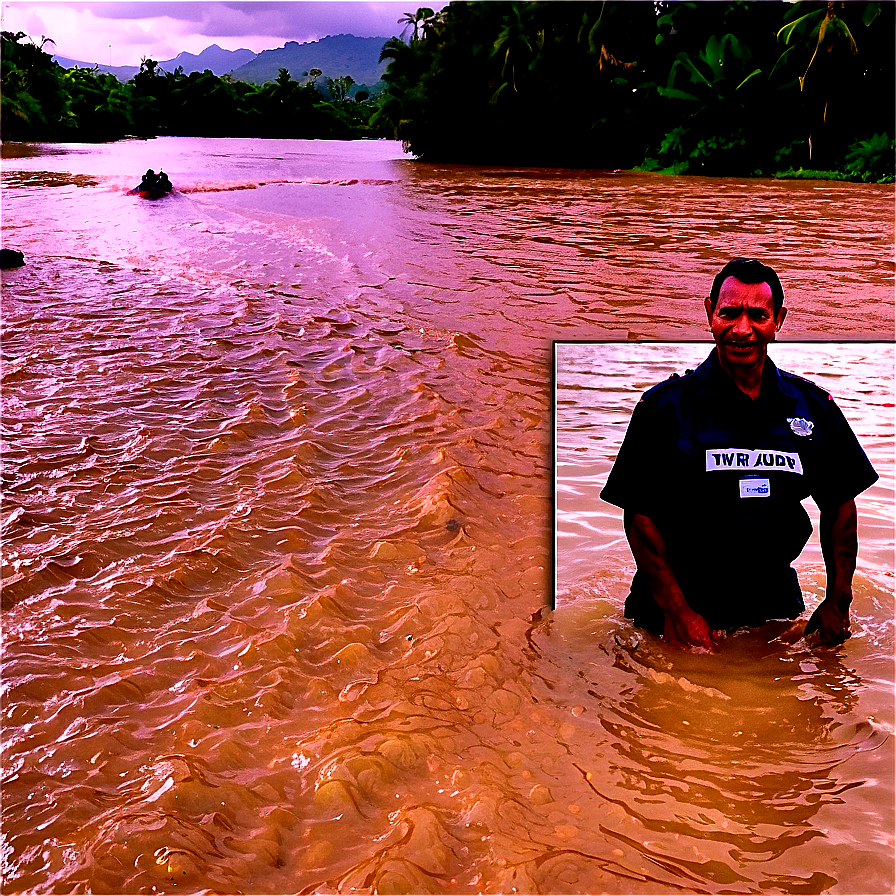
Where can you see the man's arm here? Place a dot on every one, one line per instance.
(683, 627)
(838, 532)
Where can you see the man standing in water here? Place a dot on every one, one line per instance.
(711, 474)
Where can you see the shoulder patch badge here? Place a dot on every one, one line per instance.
(801, 426)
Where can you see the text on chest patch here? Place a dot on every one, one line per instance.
(755, 488)
(752, 459)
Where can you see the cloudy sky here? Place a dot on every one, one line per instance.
(115, 33)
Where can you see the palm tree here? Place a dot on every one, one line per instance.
(517, 45)
(400, 54)
(831, 66)
(339, 87)
(416, 20)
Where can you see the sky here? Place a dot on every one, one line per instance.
(115, 33)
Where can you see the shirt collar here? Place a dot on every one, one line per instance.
(713, 378)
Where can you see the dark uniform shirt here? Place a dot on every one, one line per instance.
(722, 476)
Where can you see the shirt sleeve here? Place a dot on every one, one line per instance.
(632, 481)
(846, 471)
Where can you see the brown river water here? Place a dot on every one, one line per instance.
(278, 546)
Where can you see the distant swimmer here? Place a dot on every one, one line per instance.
(711, 474)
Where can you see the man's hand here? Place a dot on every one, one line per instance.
(839, 545)
(690, 630)
(830, 622)
(682, 626)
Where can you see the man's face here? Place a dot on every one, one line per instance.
(743, 322)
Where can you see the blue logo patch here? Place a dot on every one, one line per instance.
(753, 487)
(801, 426)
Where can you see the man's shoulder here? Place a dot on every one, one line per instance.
(807, 388)
(671, 390)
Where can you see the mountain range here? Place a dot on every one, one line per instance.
(335, 55)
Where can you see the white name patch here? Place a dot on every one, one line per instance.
(755, 488)
(754, 459)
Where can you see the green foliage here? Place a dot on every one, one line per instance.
(686, 86)
(33, 102)
(419, 21)
(809, 174)
(672, 145)
(873, 158)
(682, 151)
(867, 161)
(339, 87)
(814, 174)
(42, 101)
(714, 76)
(841, 57)
(98, 104)
(718, 154)
(790, 154)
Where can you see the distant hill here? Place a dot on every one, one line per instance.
(218, 61)
(337, 55)
(122, 72)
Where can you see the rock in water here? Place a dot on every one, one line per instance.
(10, 258)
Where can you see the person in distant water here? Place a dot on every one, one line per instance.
(711, 474)
(162, 182)
(149, 180)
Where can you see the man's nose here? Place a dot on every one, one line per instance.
(742, 326)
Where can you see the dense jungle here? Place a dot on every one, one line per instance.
(727, 88)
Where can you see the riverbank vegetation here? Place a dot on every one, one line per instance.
(738, 88)
(43, 101)
(800, 89)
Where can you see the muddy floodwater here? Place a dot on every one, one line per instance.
(278, 487)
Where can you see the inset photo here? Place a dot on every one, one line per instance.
(685, 507)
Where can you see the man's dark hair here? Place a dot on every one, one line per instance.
(748, 270)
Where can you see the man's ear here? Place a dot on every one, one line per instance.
(707, 304)
(780, 321)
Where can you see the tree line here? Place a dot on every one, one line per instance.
(735, 88)
(689, 87)
(43, 101)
